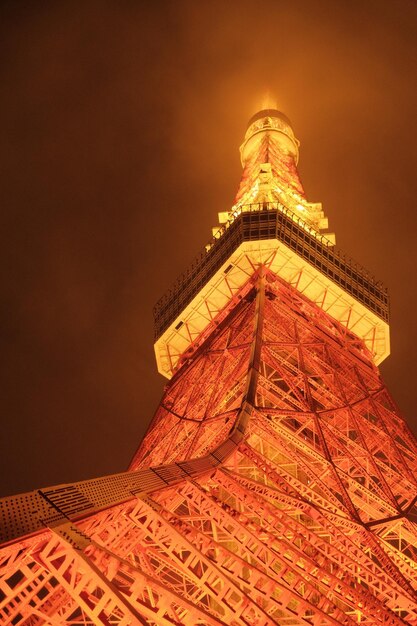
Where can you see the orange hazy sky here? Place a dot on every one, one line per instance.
(121, 123)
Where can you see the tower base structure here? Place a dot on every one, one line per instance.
(292, 503)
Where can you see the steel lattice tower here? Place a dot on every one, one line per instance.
(277, 481)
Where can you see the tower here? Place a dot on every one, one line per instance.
(277, 482)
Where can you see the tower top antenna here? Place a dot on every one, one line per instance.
(269, 112)
(274, 124)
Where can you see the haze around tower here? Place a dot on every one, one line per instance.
(120, 131)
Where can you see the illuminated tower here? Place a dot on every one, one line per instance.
(277, 482)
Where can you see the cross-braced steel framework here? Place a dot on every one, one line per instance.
(276, 485)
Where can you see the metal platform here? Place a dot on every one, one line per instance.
(260, 222)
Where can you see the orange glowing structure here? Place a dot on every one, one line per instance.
(277, 482)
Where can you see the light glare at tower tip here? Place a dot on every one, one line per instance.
(268, 102)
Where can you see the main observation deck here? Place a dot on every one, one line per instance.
(261, 233)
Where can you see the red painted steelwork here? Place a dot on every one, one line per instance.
(276, 485)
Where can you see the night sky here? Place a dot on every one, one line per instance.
(120, 128)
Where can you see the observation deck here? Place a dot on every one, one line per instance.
(270, 234)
